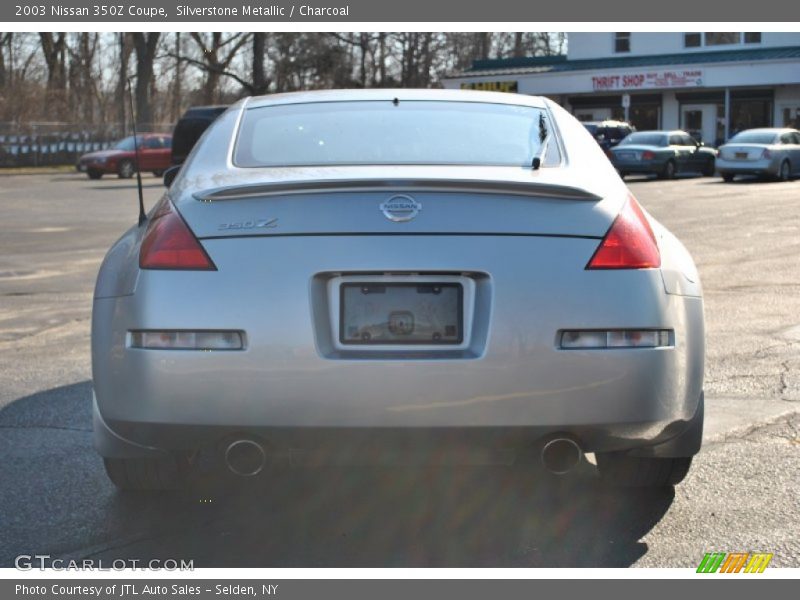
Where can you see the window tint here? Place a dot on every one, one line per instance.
(153, 143)
(386, 132)
(688, 140)
(752, 38)
(675, 140)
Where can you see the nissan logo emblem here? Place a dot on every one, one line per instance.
(401, 208)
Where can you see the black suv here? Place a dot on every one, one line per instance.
(609, 133)
(189, 129)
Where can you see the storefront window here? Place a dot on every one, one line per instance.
(791, 117)
(721, 39)
(691, 40)
(622, 42)
(719, 137)
(697, 40)
(645, 117)
(747, 114)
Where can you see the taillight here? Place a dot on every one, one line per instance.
(648, 155)
(169, 243)
(629, 243)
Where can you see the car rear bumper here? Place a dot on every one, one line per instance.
(748, 167)
(639, 167)
(511, 381)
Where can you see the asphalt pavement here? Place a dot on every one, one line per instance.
(741, 494)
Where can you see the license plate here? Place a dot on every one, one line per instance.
(741, 155)
(401, 313)
(626, 155)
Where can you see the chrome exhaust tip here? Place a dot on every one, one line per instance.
(560, 455)
(245, 458)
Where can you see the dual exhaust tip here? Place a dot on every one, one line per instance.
(247, 458)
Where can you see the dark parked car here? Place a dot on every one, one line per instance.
(663, 153)
(154, 155)
(609, 133)
(190, 127)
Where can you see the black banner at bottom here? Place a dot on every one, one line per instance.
(388, 589)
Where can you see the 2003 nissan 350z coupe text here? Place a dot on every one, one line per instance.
(354, 275)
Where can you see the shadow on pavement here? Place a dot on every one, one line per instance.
(56, 500)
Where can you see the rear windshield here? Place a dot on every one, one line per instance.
(754, 137)
(645, 139)
(392, 133)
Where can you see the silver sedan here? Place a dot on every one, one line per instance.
(404, 275)
(769, 152)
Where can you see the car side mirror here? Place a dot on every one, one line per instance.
(170, 175)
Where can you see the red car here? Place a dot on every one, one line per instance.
(155, 154)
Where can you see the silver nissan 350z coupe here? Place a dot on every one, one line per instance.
(351, 275)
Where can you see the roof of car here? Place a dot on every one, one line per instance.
(663, 132)
(202, 111)
(775, 130)
(392, 94)
(608, 123)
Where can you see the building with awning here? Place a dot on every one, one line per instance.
(709, 84)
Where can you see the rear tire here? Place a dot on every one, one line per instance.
(145, 474)
(622, 470)
(94, 174)
(125, 169)
(669, 170)
(785, 171)
(727, 177)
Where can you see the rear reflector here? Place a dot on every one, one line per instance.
(169, 243)
(187, 340)
(629, 243)
(616, 338)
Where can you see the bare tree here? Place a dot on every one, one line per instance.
(260, 82)
(5, 41)
(54, 54)
(218, 52)
(145, 45)
(81, 77)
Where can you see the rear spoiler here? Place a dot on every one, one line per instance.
(532, 189)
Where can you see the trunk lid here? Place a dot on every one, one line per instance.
(742, 151)
(364, 201)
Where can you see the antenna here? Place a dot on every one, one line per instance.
(142, 214)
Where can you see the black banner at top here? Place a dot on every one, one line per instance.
(342, 11)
